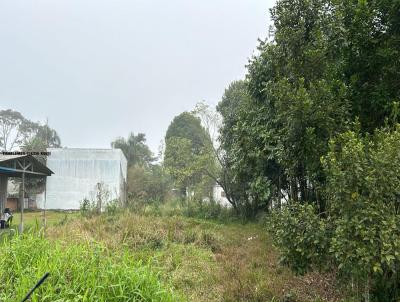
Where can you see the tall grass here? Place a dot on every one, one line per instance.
(78, 272)
(180, 207)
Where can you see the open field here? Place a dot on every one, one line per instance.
(36, 218)
(196, 260)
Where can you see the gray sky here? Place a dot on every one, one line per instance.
(100, 69)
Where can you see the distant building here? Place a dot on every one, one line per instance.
(84, 174)
(219, 196)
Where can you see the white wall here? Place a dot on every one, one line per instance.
(218, 196)
(76, 173)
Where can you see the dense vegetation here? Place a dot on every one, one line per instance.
(155, 252)
(81, 272)
(311, 138)
(313, 134)
(308, 142)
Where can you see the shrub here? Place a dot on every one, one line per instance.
(301, 235)
(88, 208)
(363, 192)
(112, 207)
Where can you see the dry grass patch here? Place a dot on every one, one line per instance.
(203, 260)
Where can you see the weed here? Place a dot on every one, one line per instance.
(78, 272)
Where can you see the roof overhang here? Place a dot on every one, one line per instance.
(17, 165)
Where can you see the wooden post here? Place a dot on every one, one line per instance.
(45, 199)
(3, 192)
(21, 225)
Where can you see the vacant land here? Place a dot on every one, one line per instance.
(32, 219)
(195, 260)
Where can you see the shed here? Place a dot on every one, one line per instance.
(78, 174)
(20, 166)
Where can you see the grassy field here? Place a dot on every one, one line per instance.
(32, 219)
(190, 259)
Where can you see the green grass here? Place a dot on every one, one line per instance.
(80, 272)
(148, 257)
(36, 218)
(203, 260)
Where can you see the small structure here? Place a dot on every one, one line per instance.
(84, 174)
(20, 166)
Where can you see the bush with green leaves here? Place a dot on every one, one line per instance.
(359, 234)
(301, 236)
(363, 192)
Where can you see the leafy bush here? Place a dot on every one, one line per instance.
(112, 207)
(301, 235)
(181, 207)
(364, 193)
(207, 210)
(88, 208)
(359, 235)
(79, 272)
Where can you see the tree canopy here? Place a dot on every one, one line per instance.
(135, 149)
(314, 126)
(17, 132)
(187, 145)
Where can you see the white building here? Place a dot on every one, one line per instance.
(219, 196)
(78, 174)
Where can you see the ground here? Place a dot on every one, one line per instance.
(200, 260)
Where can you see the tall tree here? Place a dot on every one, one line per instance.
(187, 144)
(44, 137)
(369, 48)
(246, 142)
(14, 129)
(17, 132)
(135, 149)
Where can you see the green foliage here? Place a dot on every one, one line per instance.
(88, 208)
(78, 272)
(188, 208)
(188, 155)
(135, 149)
(151, 183)
(368, 43)
(302, 236)
(363, 193)
(17, 132)
(188, 126)
(245, 160)
(359, 233)
(325, 88)
(112, 207)
(180, 162)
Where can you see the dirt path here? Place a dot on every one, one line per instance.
(249, 271)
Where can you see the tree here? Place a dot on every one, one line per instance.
(187, 144)
(215, 161)
(14, 129)
(17, 132)
(325, 88)
(44, 137)
(148, 184)
(369, 50)
(135, 149)
(244, 136)
(189, 127)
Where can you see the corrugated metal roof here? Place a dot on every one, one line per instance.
(6, 157)
(7, 167)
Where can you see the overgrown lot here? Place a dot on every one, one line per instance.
(131, 257)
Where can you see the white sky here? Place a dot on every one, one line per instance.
(100, 69)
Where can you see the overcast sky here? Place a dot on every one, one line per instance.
(100, 69)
